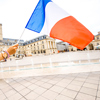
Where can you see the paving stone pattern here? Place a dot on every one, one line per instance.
(74, 86)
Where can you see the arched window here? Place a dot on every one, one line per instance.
(44, 51)
(43, 46)
(41, 51)
(38, 52)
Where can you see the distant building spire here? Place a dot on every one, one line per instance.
(1, 38)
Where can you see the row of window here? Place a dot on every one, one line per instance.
(38, 47)
(34, 40)
(9, 44)
(21, 44)
(34, 47)
(37, 44)
(97, 38)
(40, 52)
(42, 47)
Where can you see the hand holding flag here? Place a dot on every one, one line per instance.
(12, 49)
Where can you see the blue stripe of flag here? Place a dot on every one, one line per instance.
(37, 18)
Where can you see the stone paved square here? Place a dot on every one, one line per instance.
(74, 82)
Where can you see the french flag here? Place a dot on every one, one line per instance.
(50, 19)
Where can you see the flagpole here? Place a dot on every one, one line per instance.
(21, 36)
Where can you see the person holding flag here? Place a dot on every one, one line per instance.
(10, 51)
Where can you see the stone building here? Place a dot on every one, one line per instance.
(39, 45)
(62, 46)
(96, 41)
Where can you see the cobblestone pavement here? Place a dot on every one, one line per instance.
(75, 86)
(81, 82)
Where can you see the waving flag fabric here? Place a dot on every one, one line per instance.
(50, 19)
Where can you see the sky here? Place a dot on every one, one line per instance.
(14, 15)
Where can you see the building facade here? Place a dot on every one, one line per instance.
(40, 45)
(62, 46)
